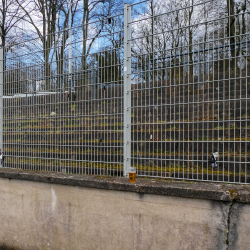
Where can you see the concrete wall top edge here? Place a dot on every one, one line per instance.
(168, 187)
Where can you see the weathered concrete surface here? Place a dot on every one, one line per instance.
(43, 215)
(239, 227)
(190, 189)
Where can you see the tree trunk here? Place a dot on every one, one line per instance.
(231, 32)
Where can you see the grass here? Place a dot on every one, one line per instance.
(83, 149)
(100, 122)
(42, 139)
(150, 167)
(111, 166)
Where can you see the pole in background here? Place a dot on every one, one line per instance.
(1, 101)
(70, 47)
(199, 69)
(127, 91)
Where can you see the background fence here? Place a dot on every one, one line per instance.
(162, 87)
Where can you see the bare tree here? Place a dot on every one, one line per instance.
(42, 15)
(89, 12)
(236, 27)
(62, 33)
(9, 19)
(47, 11)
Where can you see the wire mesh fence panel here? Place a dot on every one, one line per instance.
(62, 100)
(190, 90)
(162, 88)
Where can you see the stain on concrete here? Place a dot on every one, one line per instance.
(141, 196)
(222, 210)
(54, 199)
(5, 247)
(234, 219)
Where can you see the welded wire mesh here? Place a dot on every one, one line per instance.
(63, 100)
(191, 92)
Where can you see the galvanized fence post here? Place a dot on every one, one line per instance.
(127, 91)
(1, 102)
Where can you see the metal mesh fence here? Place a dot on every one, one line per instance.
(62, 103)
(163, 88)
(190, 104)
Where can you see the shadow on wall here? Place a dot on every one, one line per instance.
(5, 247)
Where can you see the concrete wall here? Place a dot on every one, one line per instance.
(35, 215)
